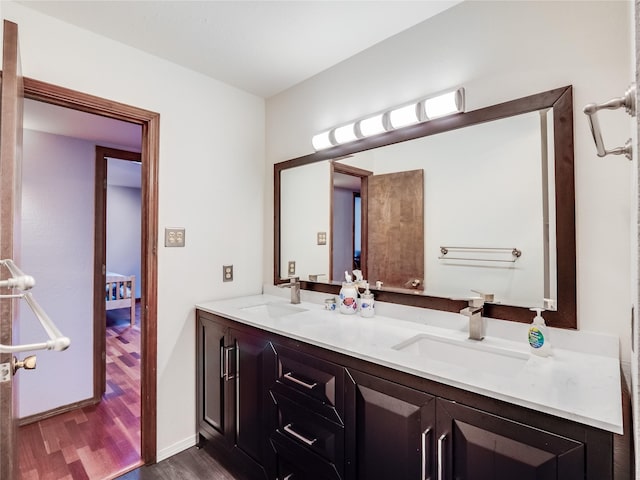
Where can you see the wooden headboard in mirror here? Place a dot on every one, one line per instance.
(560, 268)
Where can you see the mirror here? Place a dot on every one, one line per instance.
(498, 210)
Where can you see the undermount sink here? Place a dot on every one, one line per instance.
(471, 354)
(274, 310)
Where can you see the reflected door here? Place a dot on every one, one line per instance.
(396, 229)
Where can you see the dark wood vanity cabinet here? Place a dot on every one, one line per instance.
(212, 387)
(309, 439)
(235, 369)
(296, 411)
(394, 428)
(403, 433)
(475, 445)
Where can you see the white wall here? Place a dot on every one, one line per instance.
(305, 212)
(123, 231)
(498, 51)
(211, 177)
(57, 250)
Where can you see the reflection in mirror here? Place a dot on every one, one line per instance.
(476, 196)
(394, 225)
(487, 216)
(346, 225)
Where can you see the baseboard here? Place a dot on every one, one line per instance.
(176, 447)
(56, 411)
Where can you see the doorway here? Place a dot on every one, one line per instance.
(117, 259)
(149, 123)
(349, 225)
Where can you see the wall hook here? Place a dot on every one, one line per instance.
(628, 101)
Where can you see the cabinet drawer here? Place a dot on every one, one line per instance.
(312, 382)
(311, 431)
(296, 460)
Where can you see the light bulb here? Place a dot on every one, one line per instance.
(346, 133)
(372, 125)
(446, 104)
(322, 140)
(403, 116)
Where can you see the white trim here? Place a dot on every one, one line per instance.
(177, 447)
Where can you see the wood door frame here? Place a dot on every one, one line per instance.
(100, 262)
(150, 122)
(10, 198)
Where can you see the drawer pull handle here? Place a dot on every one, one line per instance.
(425, 469)
(441, 441)
(288, 477)
(310, 386)
(302, 438)
(226, 363)
(223, 372)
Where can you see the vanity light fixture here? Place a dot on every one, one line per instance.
(322, 140)
(372, 125)
(421, 111)
(345, 133)
(404, 116)
(445, 104)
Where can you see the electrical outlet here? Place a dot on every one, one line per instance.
(174, 237)
(227, 273)
(292, 267)
(322, 238)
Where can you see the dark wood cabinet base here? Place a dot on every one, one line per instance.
(297, 411)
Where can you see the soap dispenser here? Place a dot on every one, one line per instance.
(348, 296)
(366, 303)
(538, 335)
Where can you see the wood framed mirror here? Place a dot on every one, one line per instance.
(559, 105)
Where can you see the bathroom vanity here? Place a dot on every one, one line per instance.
(300, 392)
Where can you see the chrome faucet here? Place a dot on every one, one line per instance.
(477, 323)
(294, 285)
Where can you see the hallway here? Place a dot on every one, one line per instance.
(98, 441)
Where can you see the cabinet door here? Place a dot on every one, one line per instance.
(211, 385)
(394, 428)
(255, 414)
(475, 445)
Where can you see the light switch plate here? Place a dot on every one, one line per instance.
(292, 267)
(174, 237)
(322, 238)
(227, 273)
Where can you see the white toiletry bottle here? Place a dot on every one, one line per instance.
(367, 303)
(348, 296)
(538, 337)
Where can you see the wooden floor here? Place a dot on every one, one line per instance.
(96, 442)
(190, 464)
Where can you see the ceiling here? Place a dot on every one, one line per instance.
(262, 47)
(108, 132)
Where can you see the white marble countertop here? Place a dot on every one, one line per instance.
(580, 381)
